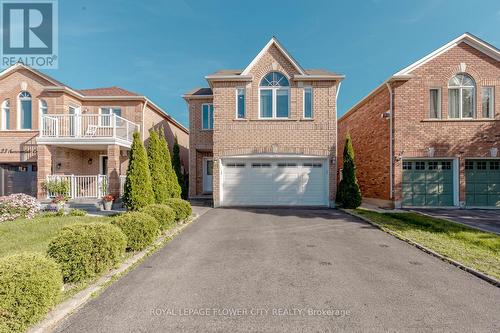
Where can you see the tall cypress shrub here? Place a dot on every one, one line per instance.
(176, 164)
(156, 168)
(174, 189)
(138, 192)
(348, 193)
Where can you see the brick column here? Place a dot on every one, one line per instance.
(114, 170)
(44, 164)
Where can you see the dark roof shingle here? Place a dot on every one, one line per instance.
(109, 91)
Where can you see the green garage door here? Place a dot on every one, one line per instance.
(482, 183)
(428, 183)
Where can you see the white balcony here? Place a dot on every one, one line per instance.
(86, 130)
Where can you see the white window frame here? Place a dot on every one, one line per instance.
(304, 102)
(492, 102)
(238, 89)
(202, 121)
(99, 121)
(4, 115)
(439, 111)
(274, 104)
(460, 98)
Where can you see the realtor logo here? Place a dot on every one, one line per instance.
(29, 33)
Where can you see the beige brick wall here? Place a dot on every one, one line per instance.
(253, 135)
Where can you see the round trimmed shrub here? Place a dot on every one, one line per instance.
(85, 250)
(30, 284)
(164, 214)
(141, 229)
(182, 208)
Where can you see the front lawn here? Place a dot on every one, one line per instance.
(34, 235)
(474, 248)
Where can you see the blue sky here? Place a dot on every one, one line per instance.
(164, 48)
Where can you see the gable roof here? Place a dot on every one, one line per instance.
(110, 91)
(288, 56)
(20, 65)
(467, 38)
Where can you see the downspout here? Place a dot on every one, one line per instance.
(336, 136)
(391, 142)
(142, 122)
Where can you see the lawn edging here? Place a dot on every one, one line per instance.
(470, 270)
(67, 307)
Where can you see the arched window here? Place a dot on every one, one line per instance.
(6, 114)
(25, 119)
(274, 96)
(461, 96)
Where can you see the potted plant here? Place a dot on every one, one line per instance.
(60, 202)
(107, 201)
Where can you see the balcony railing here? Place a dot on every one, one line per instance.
(87, 126)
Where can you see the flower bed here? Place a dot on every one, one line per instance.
(18, 205)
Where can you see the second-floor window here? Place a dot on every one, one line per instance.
(274, 95)
(488, 94)
(207, 116)
(308, 102)
(107, 112)
(240, 103)
(6, 114)
(434, 103)
(461, 92)
(25, 119)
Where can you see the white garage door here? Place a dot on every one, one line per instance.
(274, 183)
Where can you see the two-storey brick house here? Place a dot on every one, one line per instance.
(430, 134)
(265, 135)
(49, 130)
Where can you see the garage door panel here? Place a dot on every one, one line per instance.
(418, 200)
(275, 182)
(482, 183)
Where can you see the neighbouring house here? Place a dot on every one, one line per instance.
(429, 135)
(49, 130)
(265, 135)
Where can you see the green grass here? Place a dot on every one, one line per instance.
(34, 235)
(473, 248)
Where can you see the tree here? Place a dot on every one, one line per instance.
(348, 193)
(176, 164)
(174, 189)
(156, 168)
(138, 192)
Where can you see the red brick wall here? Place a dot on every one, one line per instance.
(370, 137)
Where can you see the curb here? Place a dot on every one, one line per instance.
(472, 271)
(66, 308)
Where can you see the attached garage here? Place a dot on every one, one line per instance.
(274, 182)
(18, 178)
(428, 183)
(482, 183)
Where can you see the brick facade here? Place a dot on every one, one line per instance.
(414, 131)
(251, 135)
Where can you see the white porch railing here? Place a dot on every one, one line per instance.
(122, 184)
(66, 126)
(81, 186)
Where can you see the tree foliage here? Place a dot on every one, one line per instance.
(174, 189)
(156, 168)
(138, 191)
(176, 164)
(348, 193)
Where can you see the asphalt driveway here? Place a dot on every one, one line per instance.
(483, 219)
(289, 271)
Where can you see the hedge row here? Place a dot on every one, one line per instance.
(181, 207)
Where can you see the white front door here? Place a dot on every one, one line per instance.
(275, 182)
(74, 124)
(208, 164)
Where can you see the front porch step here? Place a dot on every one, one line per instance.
(205, 201)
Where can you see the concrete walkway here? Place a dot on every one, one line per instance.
(283, 270)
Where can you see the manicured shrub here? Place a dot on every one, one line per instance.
(156, 167)
(348, 193)
(138, 192)
(164, 214)
(174, 189)
(18, 205)
(141, 229)
(30, 284)
(86, 250)
(77, 212)
(182, 208)
(176, 165)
